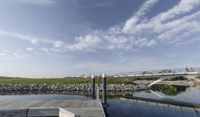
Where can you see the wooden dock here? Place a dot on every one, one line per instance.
(51, 108)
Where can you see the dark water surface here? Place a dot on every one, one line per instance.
(133, 108)
(123, 108)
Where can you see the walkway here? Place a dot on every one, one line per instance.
(53, 108)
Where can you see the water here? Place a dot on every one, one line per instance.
(177, 93)
(118, 107)
(122, 108)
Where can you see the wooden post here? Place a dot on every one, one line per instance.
(104, 89)
(93, 87)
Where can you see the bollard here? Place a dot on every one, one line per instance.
(93, 87)
(104, 91)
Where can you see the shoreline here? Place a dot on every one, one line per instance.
(139, 84)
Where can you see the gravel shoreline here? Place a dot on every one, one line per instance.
(139, 84)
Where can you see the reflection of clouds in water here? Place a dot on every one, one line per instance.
(191, 95)
(145, 94)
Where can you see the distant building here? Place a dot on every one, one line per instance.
(189, 69)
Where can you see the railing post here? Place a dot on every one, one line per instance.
(104, 89)
(93, 87)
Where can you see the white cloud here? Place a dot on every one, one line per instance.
(58, 44)
(180, 24)
(87, 42)
(29, 49)
(183, 7)
(177, 25)
(21, 36)
(137, 17)
(34, 41)
(2, 54)
(16, 55)
(145, 42)
(12, 55)
(115, 38)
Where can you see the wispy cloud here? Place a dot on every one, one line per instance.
(177, 25)
(138, 15)
(37, 2)
(174, 26)
(24, 37)
(29, 49)
(58, 44)
(15, 55)
(32, 39)
(114, 38)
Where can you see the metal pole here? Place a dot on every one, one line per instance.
(93, 87)
(104, 82)
(97, 94)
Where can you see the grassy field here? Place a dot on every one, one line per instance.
(70, 80)
(17, 80)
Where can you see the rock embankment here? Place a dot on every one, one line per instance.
(65, 87)
(44, 87)
(140, 84)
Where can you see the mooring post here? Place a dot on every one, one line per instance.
(93, 87)
(104, 89)
(97, 93)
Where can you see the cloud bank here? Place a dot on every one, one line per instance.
(178, 25)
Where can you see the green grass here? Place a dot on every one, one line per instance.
(70, 80)
(18, 80)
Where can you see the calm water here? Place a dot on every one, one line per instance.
(119, 107)
(131, 108)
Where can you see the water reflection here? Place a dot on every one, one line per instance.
(136, 108)
(170, 90)
(124, 108)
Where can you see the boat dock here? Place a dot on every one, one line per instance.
(51, 108)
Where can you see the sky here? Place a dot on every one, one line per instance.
(58, 38)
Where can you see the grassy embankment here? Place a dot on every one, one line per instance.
(70, 80)
(18, 80)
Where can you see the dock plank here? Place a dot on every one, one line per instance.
(82, 108)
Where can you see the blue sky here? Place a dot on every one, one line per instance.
(57, 38)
